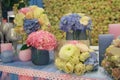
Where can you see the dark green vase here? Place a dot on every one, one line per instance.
(40, 57)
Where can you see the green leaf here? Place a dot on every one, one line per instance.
(24, 47)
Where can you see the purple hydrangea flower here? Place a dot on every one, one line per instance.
(31, 25)
(92, 60)
(72, 22)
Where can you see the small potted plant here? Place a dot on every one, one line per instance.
(41, 43)
(25, 53)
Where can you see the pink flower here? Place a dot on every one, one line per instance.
(42, 40)
(24, 10)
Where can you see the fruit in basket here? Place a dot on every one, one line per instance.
(67, 51)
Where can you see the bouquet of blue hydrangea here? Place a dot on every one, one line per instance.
(31, 25)
(75, 24)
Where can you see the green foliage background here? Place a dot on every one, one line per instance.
(102, 12)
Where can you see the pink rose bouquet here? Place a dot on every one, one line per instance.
(42, 40)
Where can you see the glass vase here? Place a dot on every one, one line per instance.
(79, 35)
(40, 57)
(76, 35)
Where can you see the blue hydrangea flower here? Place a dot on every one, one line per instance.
(72, 22)
(92, 60)
(31, 25)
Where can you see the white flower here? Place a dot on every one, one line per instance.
(84, 20)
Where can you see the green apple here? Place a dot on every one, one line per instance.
(67, 51)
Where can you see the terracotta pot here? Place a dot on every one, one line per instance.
(6, 46)
(25, 55)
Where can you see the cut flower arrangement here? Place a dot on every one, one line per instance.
(31, 19)
(75, 21)
(111, 61)
(75, 26)
(42, 40)
(76, 57)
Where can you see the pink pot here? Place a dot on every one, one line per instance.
(21, 77)
(25, 55)
(6, 46)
